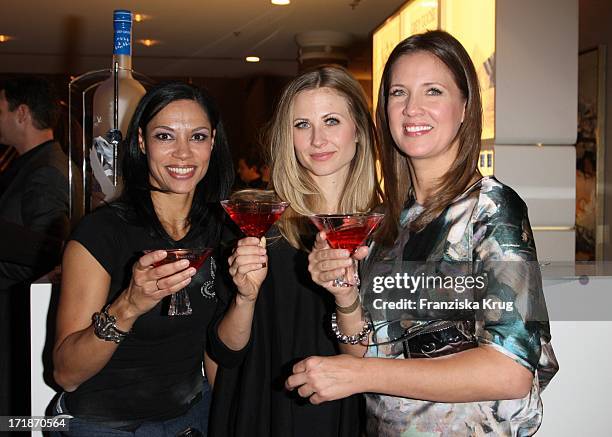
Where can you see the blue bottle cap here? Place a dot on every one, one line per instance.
(122, 23)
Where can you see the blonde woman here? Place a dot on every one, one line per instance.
(322, 146)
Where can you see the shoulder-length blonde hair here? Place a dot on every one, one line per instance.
(292, 182)
(395, 166)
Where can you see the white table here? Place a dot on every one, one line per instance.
(40, 296)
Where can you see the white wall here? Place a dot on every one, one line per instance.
(536, 86)
(536, 78)
(545, 177)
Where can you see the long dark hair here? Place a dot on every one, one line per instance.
(135, 203)
(395, 168)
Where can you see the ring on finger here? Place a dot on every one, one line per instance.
(157, 285)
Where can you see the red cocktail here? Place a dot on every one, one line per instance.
(254, 211)
(347, 231)
(179, 301)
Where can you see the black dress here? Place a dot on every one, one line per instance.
(156, 372)
(291, 322)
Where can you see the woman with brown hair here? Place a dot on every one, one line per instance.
(452, 359)
(321, 143)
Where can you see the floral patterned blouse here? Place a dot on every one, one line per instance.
(485, 233)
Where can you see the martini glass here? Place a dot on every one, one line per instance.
(179, 301)
(347, 231)
(254, 211)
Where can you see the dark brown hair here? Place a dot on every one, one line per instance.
(38, 94)
(395, 167)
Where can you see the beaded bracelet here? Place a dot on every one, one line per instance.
(358, 338)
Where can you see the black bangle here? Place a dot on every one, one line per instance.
(105, 327)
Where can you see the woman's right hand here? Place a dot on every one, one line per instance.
(151, 284)
(248, 266)
(326, 264)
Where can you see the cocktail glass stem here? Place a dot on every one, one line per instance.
(180, 304)
(179, 301)
(347, 231)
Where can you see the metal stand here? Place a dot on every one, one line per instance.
(80, 100)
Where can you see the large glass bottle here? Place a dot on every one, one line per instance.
(110, 126)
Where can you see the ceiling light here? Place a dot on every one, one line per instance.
(280, 2)
(252, 59)
(5, 38)
(148, 42)
(138, 17)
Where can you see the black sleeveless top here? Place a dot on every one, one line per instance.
(156, 372)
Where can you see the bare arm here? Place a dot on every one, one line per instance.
(248, 267)
(78, 353)
(478, 374)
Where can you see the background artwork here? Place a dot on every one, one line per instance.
(590, 147)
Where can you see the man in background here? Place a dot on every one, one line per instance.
(264, 170)
(35, 218)
(248, 171)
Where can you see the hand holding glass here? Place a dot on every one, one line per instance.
(347, 231)
(179, 301)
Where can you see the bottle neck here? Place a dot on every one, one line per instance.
(122, 41)
(125, 64)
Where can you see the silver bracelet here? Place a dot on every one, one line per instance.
(105, 327)
(358, 338)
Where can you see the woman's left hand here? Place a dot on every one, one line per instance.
(323, 379)
(326, 264)
(248, 265)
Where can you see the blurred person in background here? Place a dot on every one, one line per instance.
(35, 218)
(264, 170)
(248, 171)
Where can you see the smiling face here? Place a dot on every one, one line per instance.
(324, 133)
(178, 142)
(425, 107)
